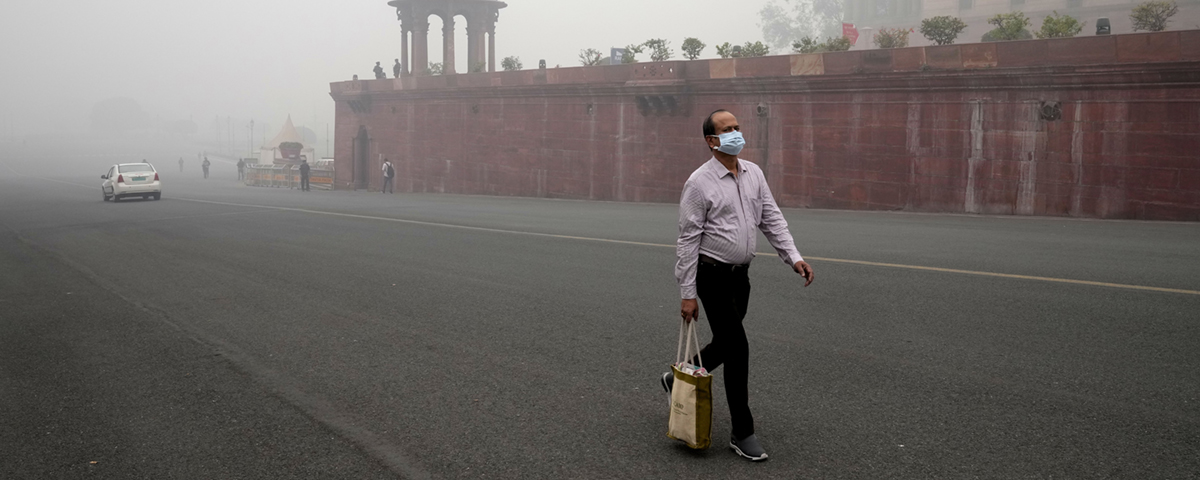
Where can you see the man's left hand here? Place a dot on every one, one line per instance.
(805, 271)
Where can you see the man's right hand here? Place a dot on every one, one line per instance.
(689, 309)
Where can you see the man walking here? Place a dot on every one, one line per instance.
(304, 175)
(389, 173)
(241, 169)
(205, 165)
(723, 202)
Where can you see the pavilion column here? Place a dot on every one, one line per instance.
(404, 51)
(448, 45)
(474, 45)
(491, 48)
(420, 46)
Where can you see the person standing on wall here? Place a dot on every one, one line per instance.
(304, 175)
(396, 69)
(205, 166)
(241, 169)
(723, 203)
(379, 71)
(389, 172)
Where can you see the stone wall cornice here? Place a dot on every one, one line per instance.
(1159, 75)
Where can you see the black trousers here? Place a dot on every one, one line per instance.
(724, 294)
(304, 182)
(387, 185)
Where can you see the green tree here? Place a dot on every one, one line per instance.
(631, 52)
(590, 57)
(891, 38)
(1059, 26)
(942, 30)
(750, 49)
(725, 50)
(692, 47)
(811, 45)
(1009, 26)
(435, 68)
(756, 49)
(511, 64)
(1153, 16)
(479, 67)
(660, 49)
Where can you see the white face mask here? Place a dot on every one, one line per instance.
(731, 142)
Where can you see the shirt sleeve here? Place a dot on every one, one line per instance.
(775, 227)
(692, 213)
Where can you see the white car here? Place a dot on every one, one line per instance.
(131, 180)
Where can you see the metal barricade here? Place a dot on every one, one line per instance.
(321, 178)
(287, 176)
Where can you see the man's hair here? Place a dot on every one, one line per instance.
(709, 128)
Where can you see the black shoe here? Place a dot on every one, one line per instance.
(749, 448)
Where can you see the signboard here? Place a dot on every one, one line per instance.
(615, 56)
(850, 32)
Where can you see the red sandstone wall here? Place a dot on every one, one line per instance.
(946, 129)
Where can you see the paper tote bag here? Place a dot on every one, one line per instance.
(691, 395)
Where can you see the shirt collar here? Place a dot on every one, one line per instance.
(720, 169)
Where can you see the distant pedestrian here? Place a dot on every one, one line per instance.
(241, 169)
(723, 202)
(304, 175)
(180, 164)
(205, 166)
(397, 68)
(389, 172)
(379, 71)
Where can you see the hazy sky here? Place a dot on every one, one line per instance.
(264, 59)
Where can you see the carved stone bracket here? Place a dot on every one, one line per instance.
(1050, 111)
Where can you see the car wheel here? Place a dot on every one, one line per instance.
(104, 195)
(157, 196)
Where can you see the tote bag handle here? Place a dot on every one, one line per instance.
(687, 338)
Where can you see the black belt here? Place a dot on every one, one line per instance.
(707, 260)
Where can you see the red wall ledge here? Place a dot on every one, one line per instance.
(1104, 126)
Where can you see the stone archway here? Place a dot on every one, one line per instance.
(481, 17)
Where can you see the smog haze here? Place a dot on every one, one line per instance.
(266, 59)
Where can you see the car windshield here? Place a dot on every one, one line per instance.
(136, 168)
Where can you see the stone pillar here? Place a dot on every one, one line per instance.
(448, 45)
(404, 51)
(491, 48)
(474, 45)
(420, 46)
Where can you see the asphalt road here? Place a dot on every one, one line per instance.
(237, 332)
